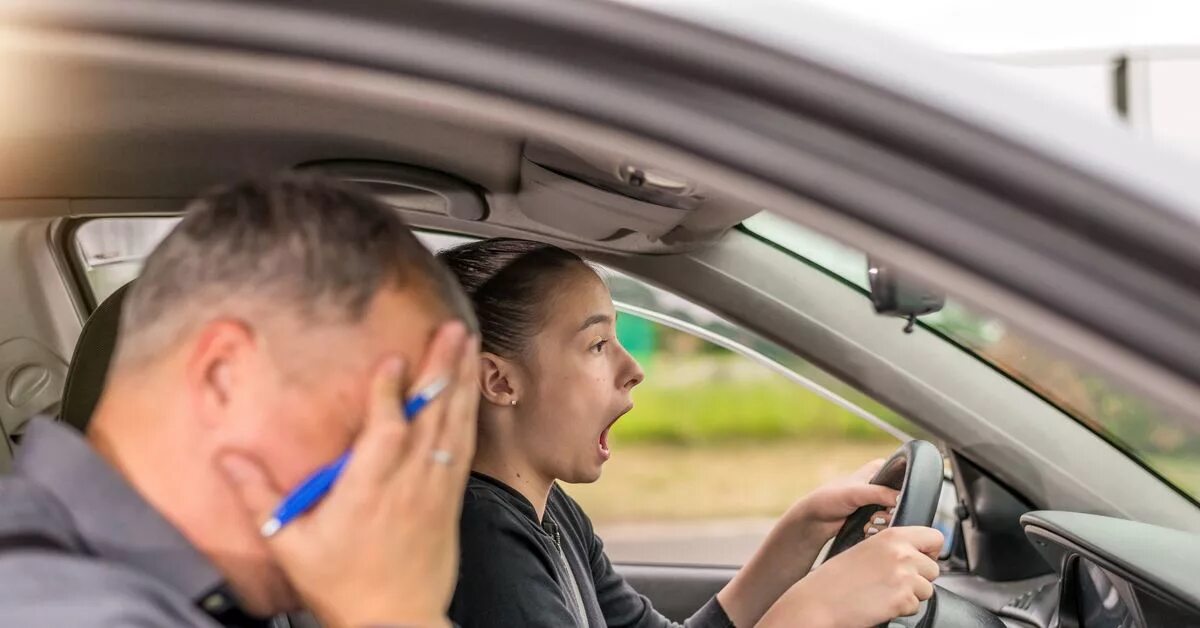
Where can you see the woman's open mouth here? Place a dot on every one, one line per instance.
(605, 451)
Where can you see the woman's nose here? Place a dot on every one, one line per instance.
(635, 373)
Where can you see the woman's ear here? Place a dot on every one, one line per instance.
(497, 380)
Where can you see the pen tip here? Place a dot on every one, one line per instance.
(269, 528)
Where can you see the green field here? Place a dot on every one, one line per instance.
(738, 412)
(717, 438)
(723, 401)
(647, 482)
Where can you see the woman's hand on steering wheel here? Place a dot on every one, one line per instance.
(884, 577)
(822, 512)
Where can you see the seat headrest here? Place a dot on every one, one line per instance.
(89, 364)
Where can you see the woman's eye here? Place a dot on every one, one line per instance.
(599, 346)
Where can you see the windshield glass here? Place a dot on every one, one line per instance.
(1169, 447)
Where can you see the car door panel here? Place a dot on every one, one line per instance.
(676, 591)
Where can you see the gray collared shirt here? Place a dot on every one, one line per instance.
(80, 547)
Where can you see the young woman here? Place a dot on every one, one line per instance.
(554, 380)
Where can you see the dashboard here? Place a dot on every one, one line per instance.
(1102, 600)
(1115, 573)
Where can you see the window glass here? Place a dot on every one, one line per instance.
(111, 250)
(716, 448)
(1167, 445)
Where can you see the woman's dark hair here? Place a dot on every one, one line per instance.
(509, 282)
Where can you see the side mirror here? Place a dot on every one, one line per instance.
(946, 518)
(893, 294)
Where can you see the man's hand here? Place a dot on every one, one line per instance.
(884, 577)
(382, 547)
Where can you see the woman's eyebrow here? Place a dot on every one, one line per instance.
(595, 319)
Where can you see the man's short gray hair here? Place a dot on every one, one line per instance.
(315, 248)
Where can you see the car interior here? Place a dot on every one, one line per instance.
(1054, 524)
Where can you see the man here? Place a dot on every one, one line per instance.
(278, 326)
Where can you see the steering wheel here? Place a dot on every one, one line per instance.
(916, 470)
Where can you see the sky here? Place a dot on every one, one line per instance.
(1007, 26)
(993, 26)
(1063, 48)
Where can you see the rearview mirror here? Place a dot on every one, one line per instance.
(893, 294)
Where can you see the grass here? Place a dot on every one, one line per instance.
(656, 482)
(722, 438)
(761, 410)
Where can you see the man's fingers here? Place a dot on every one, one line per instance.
(441, 362)
(458, 432)
(384, 406)
(381, 444)
(258, 497)
(441, 358)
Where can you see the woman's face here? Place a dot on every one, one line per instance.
(578, 381)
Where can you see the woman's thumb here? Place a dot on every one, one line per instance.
(872, 495)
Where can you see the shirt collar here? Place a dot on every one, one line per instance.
(514, 496)
(110, 516)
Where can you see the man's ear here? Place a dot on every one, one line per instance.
(497, 380)
(219, 361)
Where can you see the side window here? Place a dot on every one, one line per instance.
(110, 251)
(720, 442)
(1165, 444)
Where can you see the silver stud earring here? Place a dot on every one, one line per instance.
(512, 402)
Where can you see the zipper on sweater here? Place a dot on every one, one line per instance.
(552, 528)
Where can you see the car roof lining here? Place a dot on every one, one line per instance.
(165, 134)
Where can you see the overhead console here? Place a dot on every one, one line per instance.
(603, 196)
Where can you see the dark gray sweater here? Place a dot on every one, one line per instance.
(554, 574)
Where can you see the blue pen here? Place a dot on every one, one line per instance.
(314, 488)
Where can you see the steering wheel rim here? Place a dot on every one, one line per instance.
(916, 470)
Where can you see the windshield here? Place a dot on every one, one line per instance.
(1169, 447)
